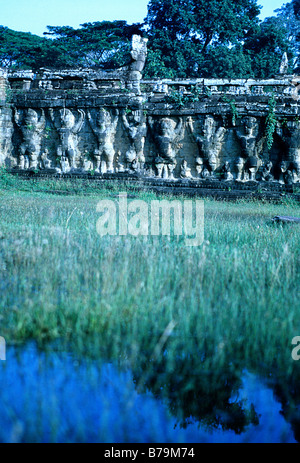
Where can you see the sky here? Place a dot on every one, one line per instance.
(35, 15)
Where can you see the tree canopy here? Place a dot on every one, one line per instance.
(222, 38)
(99, 44)
(290, 16)
(20, 50)
(187, 38)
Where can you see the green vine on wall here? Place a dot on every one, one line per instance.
(271, 122)
(179, 99)
(234, 112)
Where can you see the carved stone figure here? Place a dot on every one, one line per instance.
(68, 129)
(159, 164)
(64, 164)
(252, 168)
(104, 127)
(134, 166)
(167, 135)
(119, 166)
(266, 175)
(23, 163)
(283, 170)
(247, 135)
(289, 178)
(246, 176)
(199, 166)
(209, 143)
(251, 145)
(206, 175)
(296, 171)
(228, 177)
(45, 162)
(171, 168)
(138, 55)
(32, 127)
(87, 163)
(165, 172)
(135, 124)
(290, 135)
(239, 167)
(284, 65)
(185, 171)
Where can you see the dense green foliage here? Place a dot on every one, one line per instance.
(20, 50)
(266, 47)
(187, 38)
(100, 44)
(224, 39)
(290, 15)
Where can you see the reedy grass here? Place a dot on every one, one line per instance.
(234, 299)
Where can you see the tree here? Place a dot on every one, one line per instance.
(187, 34)
(290, 15)
(103, 44)
(296, 7)
(201, 22)
(187, 38)
(266, 47)
(21, 50)
(220, 38)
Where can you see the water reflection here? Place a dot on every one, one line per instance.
(198, 395)
(55, 398)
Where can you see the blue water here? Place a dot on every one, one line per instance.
(55, 398)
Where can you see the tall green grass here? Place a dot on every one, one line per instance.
(233, 302)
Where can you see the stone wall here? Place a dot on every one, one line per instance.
(95, 122)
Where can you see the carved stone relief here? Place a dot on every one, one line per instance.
(120, 141)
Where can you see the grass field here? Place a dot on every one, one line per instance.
(170, 311)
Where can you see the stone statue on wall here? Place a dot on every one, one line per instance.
(210, 142)
(283, 168)
(32, 127)
(228, 177)
(251, 146)
(136, 127)
(266, 175)
(247, 134)
(87, 164)
(167, 136)
(290, 134)
(239, 168)
(104, 128)
(170, 173)
(45, 162)
(284, 65)
(68, 129)
(185, 171)
(296, 171)
(289, 178)
(252, 166)
(138, 55)
(120, 168)
(64, 165)
(199, 167)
